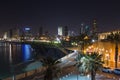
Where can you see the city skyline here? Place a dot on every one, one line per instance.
(51, 14)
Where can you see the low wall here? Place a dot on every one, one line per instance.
(24, 75)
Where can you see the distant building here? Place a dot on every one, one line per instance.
(60, 31)
(94, 27)
(71, 33)
(82, 29)
(27, 33)
(5, 36)
(40, 31)
(105, 34)
(16, 33)
(65, 31)
(10, 33)
(13, 33)
(87, 30)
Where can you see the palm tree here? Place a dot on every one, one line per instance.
(95, 63)
(79, 63)
(52, 70)
(90, 63)
(115, 37)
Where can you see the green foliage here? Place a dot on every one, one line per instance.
(52, 70)
(89, 63)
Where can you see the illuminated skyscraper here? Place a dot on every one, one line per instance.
(27, 33)
(63, 31)
(60, 30)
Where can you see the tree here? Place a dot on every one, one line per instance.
(115, 37)
(79, 63)
(90, 63)
(52, 70)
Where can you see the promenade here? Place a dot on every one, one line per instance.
(71, 73)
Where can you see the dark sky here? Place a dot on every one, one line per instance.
(53, 13)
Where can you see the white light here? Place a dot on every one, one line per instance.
(58, 40)
(88, 76)
(75, 50)
(93, 40)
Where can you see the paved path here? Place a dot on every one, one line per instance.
(79, 77)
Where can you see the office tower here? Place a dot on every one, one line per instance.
(10, 33)
(87, 30)
(94, 28)
(27, 33)
(82, 29)
(60, 30)
(65, 31)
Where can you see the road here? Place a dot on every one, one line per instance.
(70, 60)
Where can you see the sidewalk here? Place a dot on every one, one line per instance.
(79, 77)
(70, 73)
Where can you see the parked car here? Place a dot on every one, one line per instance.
(107, 69)
(116, 71)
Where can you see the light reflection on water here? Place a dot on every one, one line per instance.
(26, 52)
(13, 54)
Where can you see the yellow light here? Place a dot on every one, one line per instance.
(84, 51)
(86, 37)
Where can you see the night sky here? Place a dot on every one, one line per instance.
(53, 13)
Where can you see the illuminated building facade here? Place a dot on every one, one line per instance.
(26, 33)
(13, 34)
(63, 31)
(105, 34)
(106, 48)
(60, 31)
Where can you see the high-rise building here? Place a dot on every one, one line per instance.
(87, 30)
(60, 30)
(10, 33)
(82, 29)
(40, 31)
(14, 33)
(65, 31)
(27, 34)
(94, 28)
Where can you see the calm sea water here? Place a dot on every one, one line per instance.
(13, 54)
